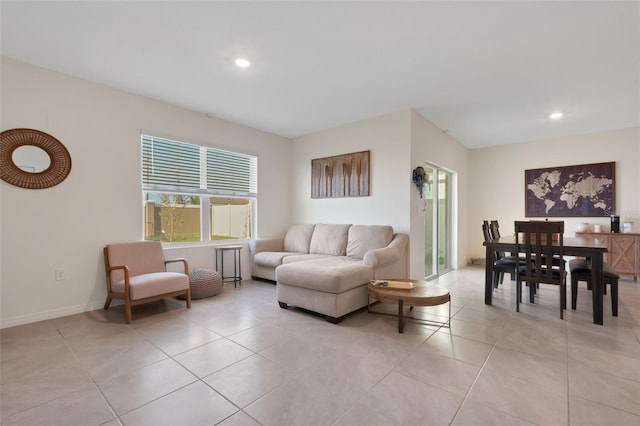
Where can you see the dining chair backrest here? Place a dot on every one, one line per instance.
(488, 236)
(538, 242)
(495, 229)
(486, 232)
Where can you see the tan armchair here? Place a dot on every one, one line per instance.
(137, 273)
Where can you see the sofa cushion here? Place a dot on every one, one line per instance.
(363, 238)
(298, 238)
(328, 275)
(303, 257)
(271, 258)
(329, 239)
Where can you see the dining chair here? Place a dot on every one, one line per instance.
(501, 264)
(505, 258)
(495, 230)
(539, 242)
(581, 271)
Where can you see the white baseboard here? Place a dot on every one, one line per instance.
(47, 315)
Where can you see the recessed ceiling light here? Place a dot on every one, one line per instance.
(556, 116)
(242, 62)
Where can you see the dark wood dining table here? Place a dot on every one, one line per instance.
(573, 246)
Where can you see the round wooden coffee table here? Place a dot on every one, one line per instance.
(422, 294)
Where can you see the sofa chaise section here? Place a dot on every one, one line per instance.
(325, 268)
(331, 287)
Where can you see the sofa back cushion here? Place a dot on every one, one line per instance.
(363, 238)
(298, 238)
(329, 239)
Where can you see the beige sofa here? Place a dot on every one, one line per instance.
(325, 268)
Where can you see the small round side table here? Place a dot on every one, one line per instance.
(237, 268)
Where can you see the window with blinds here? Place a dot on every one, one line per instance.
(169, 164)
(230, 171)
(196, 193)
(177, 166)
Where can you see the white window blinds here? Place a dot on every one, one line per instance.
(170, 163)
(176, 166)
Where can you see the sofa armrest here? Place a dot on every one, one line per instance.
(388, 255)
(266, 244)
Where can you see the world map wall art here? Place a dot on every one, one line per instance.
(586, 190)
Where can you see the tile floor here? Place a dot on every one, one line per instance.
(238, 359)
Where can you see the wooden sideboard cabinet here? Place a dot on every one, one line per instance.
(623, 253)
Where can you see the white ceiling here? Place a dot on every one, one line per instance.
(487, 73)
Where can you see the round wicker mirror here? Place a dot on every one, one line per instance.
(59, 165)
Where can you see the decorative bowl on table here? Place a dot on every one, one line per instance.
(582, 227)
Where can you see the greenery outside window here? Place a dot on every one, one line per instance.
(196, 193)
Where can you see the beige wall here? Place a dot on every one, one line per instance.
(496, 189)
(388, 139)
(100, 127)
(431, 144)
(399, 142)
(490, 182)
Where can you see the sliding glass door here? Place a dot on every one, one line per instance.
(438, 221)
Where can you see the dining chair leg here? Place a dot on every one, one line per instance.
(574, 292)
(532, 292)
(614, 297)
(518, 294)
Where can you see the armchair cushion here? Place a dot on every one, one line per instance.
(141, 257)
(153, 284)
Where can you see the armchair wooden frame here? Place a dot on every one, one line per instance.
(126, 295)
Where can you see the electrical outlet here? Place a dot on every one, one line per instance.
(61, 274)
